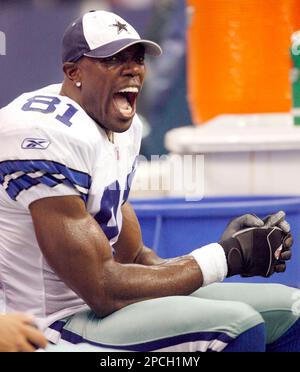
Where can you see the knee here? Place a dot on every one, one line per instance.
(239, 317)
(230, 317)
(222, 323)
(282, 298)
(281, 310)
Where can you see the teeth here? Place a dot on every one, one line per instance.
(129, 89)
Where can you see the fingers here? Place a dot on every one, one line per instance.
(280, 268)
(288, 242)
(285, 226)
(278, 219)
(30, 337)
(35, 337)
(240, 223)
(275, 219)
(26, 347)
(250, 220)
(285, 256)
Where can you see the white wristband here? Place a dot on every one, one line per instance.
(212, 261)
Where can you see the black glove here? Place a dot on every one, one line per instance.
(257, 251)
(241, 222)
(251, 220)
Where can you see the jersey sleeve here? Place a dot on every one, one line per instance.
(45, 164)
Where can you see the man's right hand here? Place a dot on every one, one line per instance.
(17, 333)
(257, 251)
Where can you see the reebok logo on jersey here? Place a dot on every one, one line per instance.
(35, 143)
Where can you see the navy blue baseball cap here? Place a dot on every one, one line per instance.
(101, 34)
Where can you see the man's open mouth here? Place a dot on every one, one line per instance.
(125, 100)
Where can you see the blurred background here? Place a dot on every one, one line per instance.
(226, 91)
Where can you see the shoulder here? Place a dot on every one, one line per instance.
(46, 150)
(38, 119)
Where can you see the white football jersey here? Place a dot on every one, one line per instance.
(49, 147)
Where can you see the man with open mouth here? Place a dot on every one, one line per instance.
(71, 251)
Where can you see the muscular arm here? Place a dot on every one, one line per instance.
(79, 252)
(130, 247)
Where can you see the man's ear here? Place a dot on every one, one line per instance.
(72, 71)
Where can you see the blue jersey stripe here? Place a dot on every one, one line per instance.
(25, 183)
(22, 183)
(49, 180)
(27, 166)
(15, 186)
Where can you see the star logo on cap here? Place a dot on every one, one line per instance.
(121, 26)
